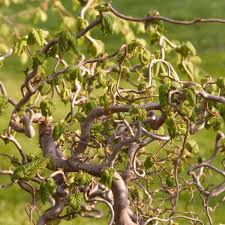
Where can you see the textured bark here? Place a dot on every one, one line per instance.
(119, 189)
(121, 203)
(46, 141)
(98, 112)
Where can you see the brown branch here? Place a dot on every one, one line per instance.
(78, 35)
(98, 112)
(117, 147)
(121, 203)
(165, 19)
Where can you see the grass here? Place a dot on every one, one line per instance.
(209, 42)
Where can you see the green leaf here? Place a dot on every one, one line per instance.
(81, 23)
(63, 43)
(75, 201)
(163, 94)
(65, 95)
(107, 177)
(20, 45)
(40, 16)
(104, 7)
(107, 23)
(216, 122)
(171, 127)
(148, 163)
(47, 107)
(105, 101)
(43, 193)
(38, 59)
(3, 103)
(82, 178)
(66, 42)
(138, 113)
(100, 77)
(192, 146)
(222, 111)
(72, 73)
(56, 81)
(47, 188)
(144, 57)
(44, 89)
(185, 109)
(87, 107)
(37, 36)
(191, 48)
(133, 45)
(58, 131)
(190, 96)
(73, 44)
(220, 82)
(200, 159)
(170, 182)
(154, 27)
(30, 169)
(186, 49)
(51, 185)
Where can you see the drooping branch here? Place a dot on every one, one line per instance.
(165, 19)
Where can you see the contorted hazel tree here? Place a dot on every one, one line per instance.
(126, 137)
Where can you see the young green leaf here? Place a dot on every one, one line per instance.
(37, 36)
(88, 107)
(20, 46)
(185, 109)
(192, 146)
(44, 89)
(220, 82)
(104, 7)
(138, 113)
(47, 107)
(163, 94)
(48, 187)
(58, 131)
(82, 178)
(38, 59)
(170, 182)
(65, 95)
(43, 193)
(75, 201)
(216, 122)
(186, 49)
(72, 73)
(190, 96)
(107, 23)
(107, 177)
(144, 57)
(148, 163)
(3, 103)
(66, 42)
(171, 127)
(30, 169)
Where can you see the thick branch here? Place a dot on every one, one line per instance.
(121, 204)
(98, 112)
